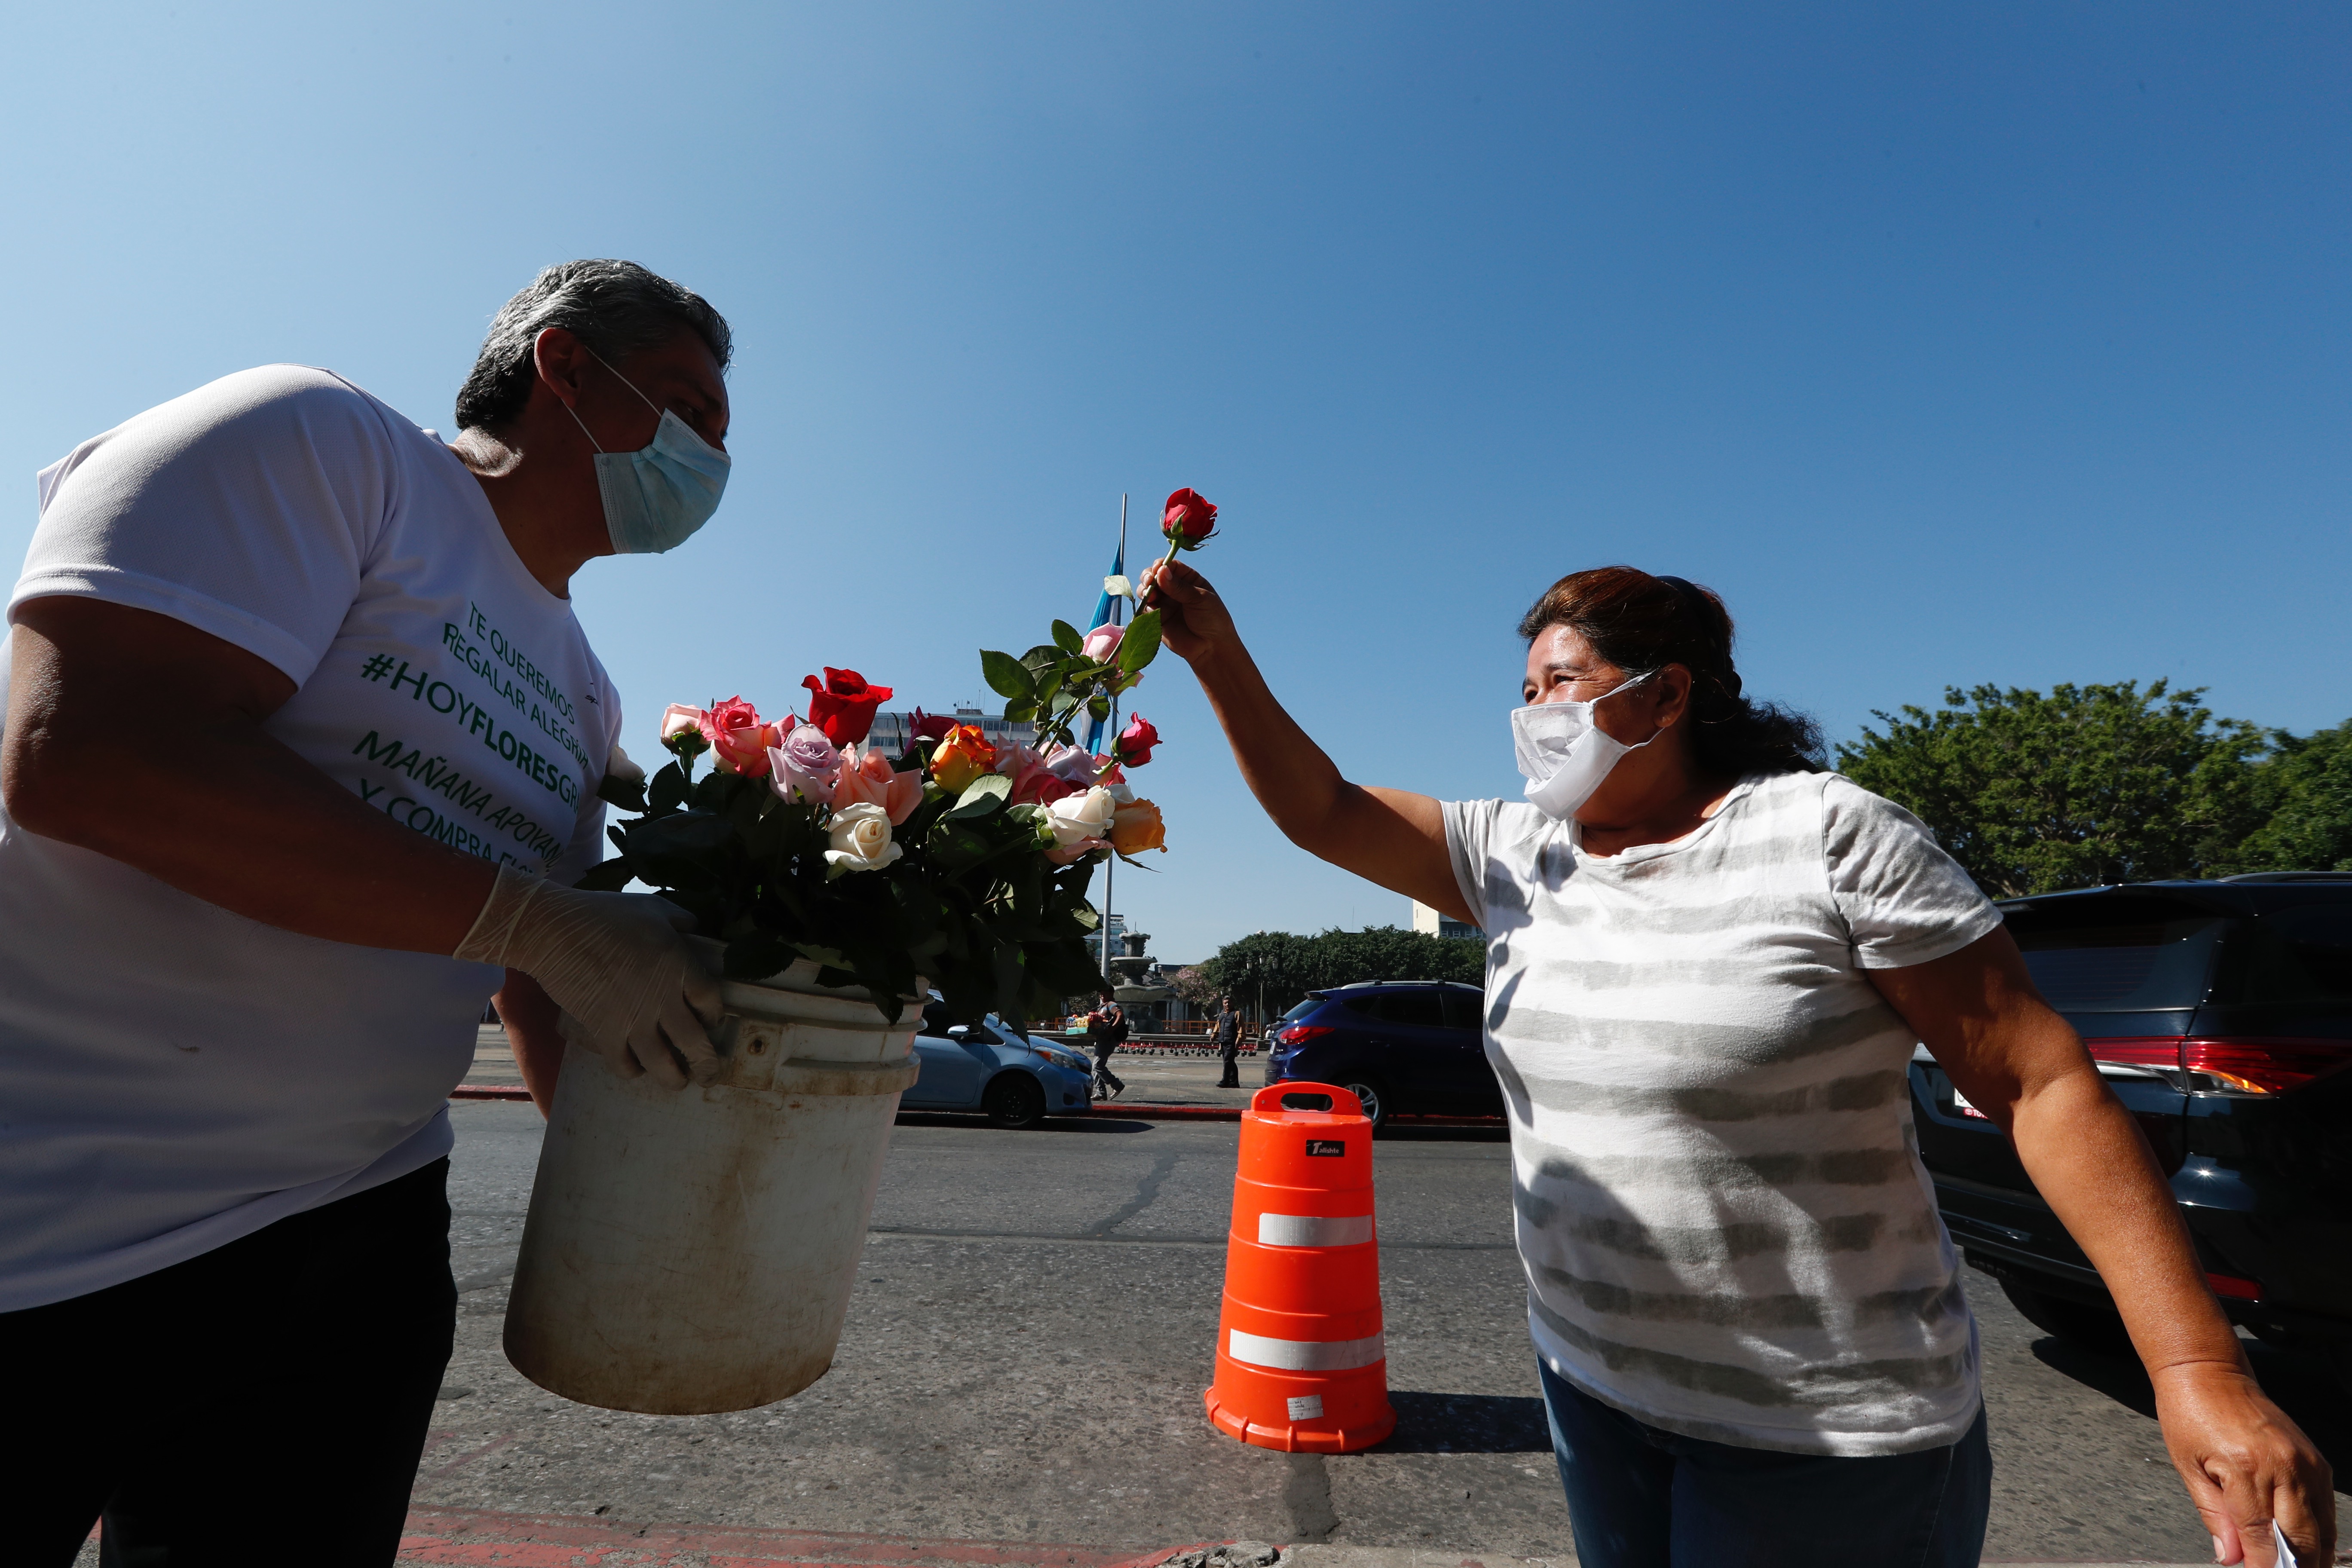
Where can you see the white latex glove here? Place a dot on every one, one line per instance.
(630, 988)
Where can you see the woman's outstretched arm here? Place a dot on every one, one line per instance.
(1386, 836)
(2243, 1461)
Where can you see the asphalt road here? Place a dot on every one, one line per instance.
(1032, 1328)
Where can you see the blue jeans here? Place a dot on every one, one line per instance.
(1640, 1497)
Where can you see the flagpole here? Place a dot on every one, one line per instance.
(1115, 615)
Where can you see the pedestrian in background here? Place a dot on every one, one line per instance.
(1106, 1032)
(242, 971)
(1710, 960)
(1228, 1039)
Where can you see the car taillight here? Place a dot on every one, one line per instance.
(2262, 1067)
(1299, 1034)
(2161, 1052)
(2235, 1289)
(2228, 1066)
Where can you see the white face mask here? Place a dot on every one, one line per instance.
(1564, 754)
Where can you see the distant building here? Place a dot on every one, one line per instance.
(1425, 919)
(892, 731)
(1118, 924)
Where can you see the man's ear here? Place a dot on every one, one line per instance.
(561, 361)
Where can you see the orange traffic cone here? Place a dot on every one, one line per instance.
(1300, 1363)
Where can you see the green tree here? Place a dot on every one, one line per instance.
(1280, 968)
(2087, 785)
(2305, 793)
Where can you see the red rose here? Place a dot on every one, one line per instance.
(842, 704)
(1134, 742)
(1189, 519)
(738, 741)
(931, 726)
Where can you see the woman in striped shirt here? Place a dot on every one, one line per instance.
(1709, 960)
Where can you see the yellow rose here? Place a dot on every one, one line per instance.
(962, 756)
(1136, 826)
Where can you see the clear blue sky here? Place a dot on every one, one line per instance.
(1952, 344)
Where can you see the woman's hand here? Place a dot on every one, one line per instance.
(1193, 621)
(2244, 1464)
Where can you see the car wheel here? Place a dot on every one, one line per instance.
(1015, 1100)
(1371, 1097)
(2079, 1323)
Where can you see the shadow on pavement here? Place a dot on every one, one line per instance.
(1405, 1132)
(2301, 1385)
(1466, 1424)
(1096, 1123)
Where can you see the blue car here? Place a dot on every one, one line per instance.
(1013, 1080)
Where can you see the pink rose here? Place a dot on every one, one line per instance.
(677, 716)
(806, 765)
(1102, 642)
(868, 780)
(738, 739)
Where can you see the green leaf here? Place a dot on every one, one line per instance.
(668, 792)
(606, 877)
(629, 794)
(1042, 657)
(756, 955)
(1067, 637)
(1141, 644)
(1006, 676)
(1098, 705)
(982, 795)
(1020, 712)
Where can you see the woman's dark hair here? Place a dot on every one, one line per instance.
(1640, 623)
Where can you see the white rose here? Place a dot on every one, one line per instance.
(1077, 817)
(861, 839)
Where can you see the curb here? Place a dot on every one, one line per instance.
(1137, 1109)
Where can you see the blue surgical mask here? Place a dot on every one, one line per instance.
(656, 496)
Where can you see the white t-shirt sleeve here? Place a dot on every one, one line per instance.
(1905, 900)
(246, 509)
(1469, 843)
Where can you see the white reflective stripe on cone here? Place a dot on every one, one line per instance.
(1311, 1230)
(1304, 1355)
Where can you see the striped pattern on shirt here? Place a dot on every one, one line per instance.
(1726, 1229)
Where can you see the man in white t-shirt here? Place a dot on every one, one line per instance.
(301, 757)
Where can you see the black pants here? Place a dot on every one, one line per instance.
(269, 1397)
(1107, 1082)
(1231, 1051)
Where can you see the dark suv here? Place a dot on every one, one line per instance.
(2221, 1014)
(1403, 1048)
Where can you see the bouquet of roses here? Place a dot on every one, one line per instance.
(959, 860)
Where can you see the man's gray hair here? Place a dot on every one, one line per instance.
(615, 306)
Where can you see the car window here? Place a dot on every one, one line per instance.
(2295, 955)
(935, 1019)
(981, 1035)
(1418, 1008)
(2129, 959)
(1464, 1009)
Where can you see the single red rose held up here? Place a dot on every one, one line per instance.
(1136, 742)
(842, 704)
(1188, 520)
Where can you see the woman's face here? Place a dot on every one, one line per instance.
(1562, 667)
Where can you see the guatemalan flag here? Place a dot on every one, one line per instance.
(1108, 610)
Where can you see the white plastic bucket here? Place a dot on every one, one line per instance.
(693, 1250)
